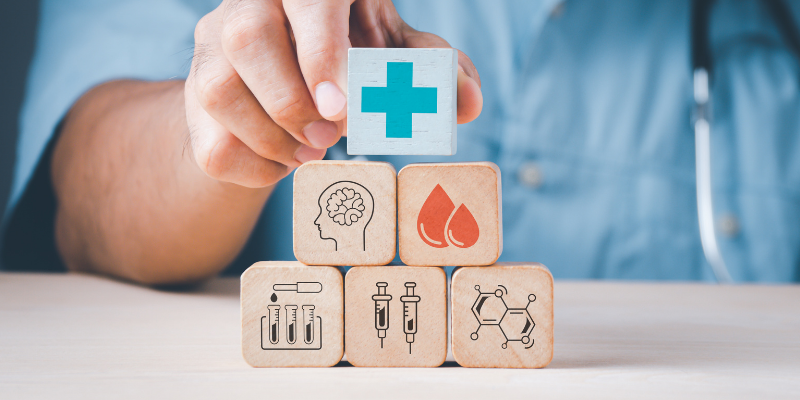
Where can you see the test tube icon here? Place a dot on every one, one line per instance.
(410, 313)
(274, 321)
(308, 319)
(291, 326)
(381, 310)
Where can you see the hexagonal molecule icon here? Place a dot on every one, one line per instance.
(489, 307)
(511, 323)
(516, 324)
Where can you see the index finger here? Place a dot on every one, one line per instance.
(321, 30)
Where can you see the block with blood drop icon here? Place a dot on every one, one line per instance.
(450, 214)
(292, 315)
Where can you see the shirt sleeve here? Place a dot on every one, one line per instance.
(80, 44)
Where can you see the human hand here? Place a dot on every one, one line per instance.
(266, 88)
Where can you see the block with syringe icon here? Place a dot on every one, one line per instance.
(396, 316)
(292, 315)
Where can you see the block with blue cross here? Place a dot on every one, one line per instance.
(401, 101)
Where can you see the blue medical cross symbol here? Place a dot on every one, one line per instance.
(399, 99)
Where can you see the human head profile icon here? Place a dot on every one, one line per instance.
(345, 210)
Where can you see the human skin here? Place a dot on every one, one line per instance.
(162, 182)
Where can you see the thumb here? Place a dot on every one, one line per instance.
(470, 97)
(321, 34)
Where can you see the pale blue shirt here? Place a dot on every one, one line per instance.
(587, 108)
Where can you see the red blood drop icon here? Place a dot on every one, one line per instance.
(433, 217)
(462, 230)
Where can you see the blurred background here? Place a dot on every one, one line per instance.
(18, 33)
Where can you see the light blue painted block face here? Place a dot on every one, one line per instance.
(399, 99)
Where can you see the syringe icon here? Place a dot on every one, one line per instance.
(410, 313)
(381, 310)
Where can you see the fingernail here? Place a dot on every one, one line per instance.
(330, 100)
(321, 134)
(305, 154)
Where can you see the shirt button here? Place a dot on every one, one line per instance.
(530, 175)
(728, 225)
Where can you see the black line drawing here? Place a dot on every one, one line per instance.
(265, 346)
(291, 327)
(516, 324)
(410, 313)
(310, 327)
(274, 323)
(381, 310)
(409, 301)
(308, 320)
(299, 287)
(345, 210)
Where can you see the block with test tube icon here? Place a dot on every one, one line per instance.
(292, 315)
(396, 316)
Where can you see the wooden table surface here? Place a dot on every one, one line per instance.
(80, 336)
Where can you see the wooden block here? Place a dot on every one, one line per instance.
(291, 315)
(384, 307)
(450, 214)
(345, 213)
(401, 101)
(502, 316)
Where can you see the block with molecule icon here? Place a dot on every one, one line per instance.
(396, 316)
(450, 214)
(502, 316)
(292, 315)
(401, 101)
(345, 213)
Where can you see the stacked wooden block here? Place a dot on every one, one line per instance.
(357, 213)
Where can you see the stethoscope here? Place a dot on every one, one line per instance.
(702, 68)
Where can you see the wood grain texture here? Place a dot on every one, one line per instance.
(450, 214)
(503, 316)
(79, 336)
(291, 315)
(345, 213)
(374, 293)
(432, 133)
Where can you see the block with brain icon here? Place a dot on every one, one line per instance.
(450, 214)
(345, 213)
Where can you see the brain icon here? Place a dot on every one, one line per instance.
(345, 206)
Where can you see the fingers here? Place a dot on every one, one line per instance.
(470, 98)
(321, 31)
(224, 96)
(221, 155)
(257, 43)
(232, 137)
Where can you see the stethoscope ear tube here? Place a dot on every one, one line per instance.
(702, 151)
(702, 68)
(701, 117)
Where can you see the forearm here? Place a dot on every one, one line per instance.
(132, 202)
